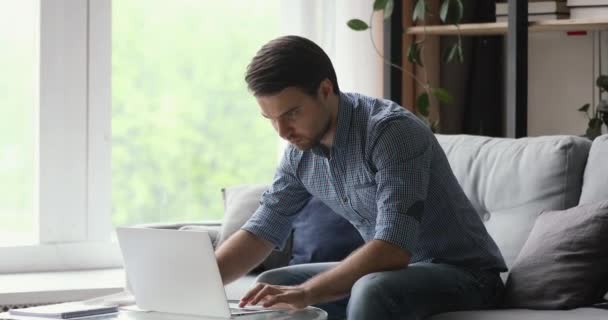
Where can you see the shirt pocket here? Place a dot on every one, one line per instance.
(363, 200)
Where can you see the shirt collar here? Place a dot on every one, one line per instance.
(345, 108)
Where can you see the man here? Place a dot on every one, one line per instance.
(380, 167)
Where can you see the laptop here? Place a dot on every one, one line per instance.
(175, 271)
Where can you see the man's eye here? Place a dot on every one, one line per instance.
(292, 113)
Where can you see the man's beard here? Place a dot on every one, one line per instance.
(305, 144)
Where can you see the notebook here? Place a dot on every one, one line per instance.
(66, 310)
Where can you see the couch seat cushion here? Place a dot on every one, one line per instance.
(524, 314)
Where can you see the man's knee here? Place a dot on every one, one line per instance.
(272, 277)
(369, 287)
(370, 295)
(282, 276)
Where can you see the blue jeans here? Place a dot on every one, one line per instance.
(416, 292)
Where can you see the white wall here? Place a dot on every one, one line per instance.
(561, 78)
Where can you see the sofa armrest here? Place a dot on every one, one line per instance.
(212, 227)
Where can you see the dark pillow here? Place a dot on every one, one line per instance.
(564, 262)
(321, 235)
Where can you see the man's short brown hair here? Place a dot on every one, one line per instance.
(289, 61)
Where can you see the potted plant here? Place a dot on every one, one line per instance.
(598, 115)
(450, 12)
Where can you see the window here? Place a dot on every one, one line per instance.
(183, 123)
(123, 112)
(19, 24)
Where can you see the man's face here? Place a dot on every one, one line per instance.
(297, 117)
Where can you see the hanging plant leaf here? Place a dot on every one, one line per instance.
(459, 53)
(584, 108)
(380, 5)
(419, 11)
(357, 24)
(435, 126)
(413, 54)
(442, 95)
(451, 53)
(602, 106)
(388, 9)
(595, 128)
(451, 11)
(602, 82)
(422, 104)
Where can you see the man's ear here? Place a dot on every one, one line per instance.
(326, 88)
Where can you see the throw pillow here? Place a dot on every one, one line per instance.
(240, 202)
(321, 235)
(564, 262)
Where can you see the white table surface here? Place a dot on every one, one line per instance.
(309, 313)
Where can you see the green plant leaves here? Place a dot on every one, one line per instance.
(419, 11)
(388, 9)
(602, 82)
(357, 24)
(442, 95)
(584, 108)
(413, 54)
(594, 129)
(451, 11)
(455, 52)
(422, 104)
(602, 106)
(380, 5)
(386, 5)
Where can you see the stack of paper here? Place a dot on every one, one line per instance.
(537, 10)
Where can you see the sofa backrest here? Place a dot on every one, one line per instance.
(595, 179)
(510, 181)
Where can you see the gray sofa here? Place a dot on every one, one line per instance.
(511, 181)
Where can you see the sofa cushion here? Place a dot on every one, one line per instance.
(314, 235)
(240, 202)
(564, 262)
(510, 181)
(524, 314)
(595, 180)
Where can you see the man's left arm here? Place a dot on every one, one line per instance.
(401, 154)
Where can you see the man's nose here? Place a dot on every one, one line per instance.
(282, 128)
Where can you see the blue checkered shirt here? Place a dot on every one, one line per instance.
(387, 175)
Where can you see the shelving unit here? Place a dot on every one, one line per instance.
(501, 28)
(516, 31)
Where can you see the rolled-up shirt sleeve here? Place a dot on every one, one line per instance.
(401, 154)
(279, 204)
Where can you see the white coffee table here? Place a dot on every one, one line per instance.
(309, 313)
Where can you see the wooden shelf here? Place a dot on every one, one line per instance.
(500, 28)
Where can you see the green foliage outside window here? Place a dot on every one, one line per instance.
(183, 123)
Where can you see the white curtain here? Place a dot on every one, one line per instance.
(358, 66)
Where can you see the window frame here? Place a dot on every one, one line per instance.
(72, 171)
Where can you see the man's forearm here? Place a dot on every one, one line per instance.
(240, 254)
(375, 256)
